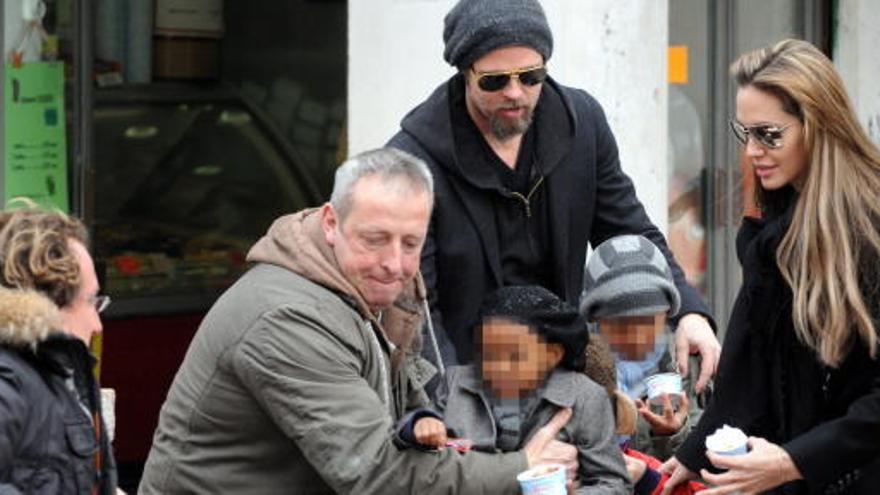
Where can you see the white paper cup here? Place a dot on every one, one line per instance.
(546, 479)
(728, 441)
(742, 449)
(663, 383)
(108, 411)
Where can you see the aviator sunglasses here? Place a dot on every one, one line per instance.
(494, 81)
(768, 135)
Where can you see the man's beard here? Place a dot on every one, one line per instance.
(504, 129)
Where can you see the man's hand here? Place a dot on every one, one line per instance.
(694, 336)
(671, 420)
(766, 466)
(678, 474)
(430, 431)
(543, 448)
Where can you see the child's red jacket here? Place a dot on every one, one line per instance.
(688, 488)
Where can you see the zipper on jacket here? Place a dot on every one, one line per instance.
(384, 373)
(526, 198)
(826, 386)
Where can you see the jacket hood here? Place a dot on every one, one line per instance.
(27, 317)
(430, 125)
(296, 242)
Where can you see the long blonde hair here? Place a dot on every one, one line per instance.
(833, 235)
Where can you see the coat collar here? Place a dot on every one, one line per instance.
(27, 317)
(560, 388)
(296, 243)
(430, 124)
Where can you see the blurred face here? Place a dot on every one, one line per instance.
(632, 337)
(80, 315)
(514, 358)
(379, 242)
(508, 111)
(775, 168)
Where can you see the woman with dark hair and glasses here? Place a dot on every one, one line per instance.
(799, 370)
(52, 436)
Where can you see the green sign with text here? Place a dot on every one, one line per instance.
(35, 162)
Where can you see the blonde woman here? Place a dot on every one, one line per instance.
(799, 370)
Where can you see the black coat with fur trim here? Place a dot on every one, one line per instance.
(773, 386)
(589, 199)
(48, 396)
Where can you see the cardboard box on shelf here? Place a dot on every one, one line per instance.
(191, 18)
(185, 58)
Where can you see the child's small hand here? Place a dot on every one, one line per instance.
(635, 468)
(430, 431)
(671, 420)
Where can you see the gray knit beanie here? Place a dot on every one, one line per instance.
(474, 28)
(628, 276)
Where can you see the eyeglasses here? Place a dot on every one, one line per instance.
(101, 303)
(768, 135)
(494, 81)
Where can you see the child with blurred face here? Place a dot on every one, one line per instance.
(515, 361)
(628, 296)
(515, 358)
(629, 292)
(638, 342)
(531, 349)
(633, 337)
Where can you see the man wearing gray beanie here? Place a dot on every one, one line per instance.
(526, 176)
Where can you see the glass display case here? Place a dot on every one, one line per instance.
(190, 178)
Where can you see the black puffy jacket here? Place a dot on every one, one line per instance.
(49, 405)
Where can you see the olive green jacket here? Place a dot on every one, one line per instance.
(291, 385)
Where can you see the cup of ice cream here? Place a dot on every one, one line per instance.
(663, 383)
(728, 441)
(546, 479)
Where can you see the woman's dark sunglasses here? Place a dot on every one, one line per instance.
(767, 135)
(495, 81)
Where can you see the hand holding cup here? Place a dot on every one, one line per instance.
(544, 479)
(765, 466)
(670, 420)
(543, 448)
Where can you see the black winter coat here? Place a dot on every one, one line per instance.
(771, 385)
(48, 397)
(589, 198)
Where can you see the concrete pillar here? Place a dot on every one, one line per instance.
(395, 60)
(615, 50)
(856, 57)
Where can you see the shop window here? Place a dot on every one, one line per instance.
(210, 119)
(187, 179)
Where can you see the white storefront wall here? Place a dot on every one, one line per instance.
(615, 50)
(858, 60)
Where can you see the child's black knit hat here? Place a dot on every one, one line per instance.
(554, 320)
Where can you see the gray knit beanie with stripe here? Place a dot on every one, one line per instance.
(474, 28)
(628, 276)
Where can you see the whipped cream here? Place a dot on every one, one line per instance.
(727, 439)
